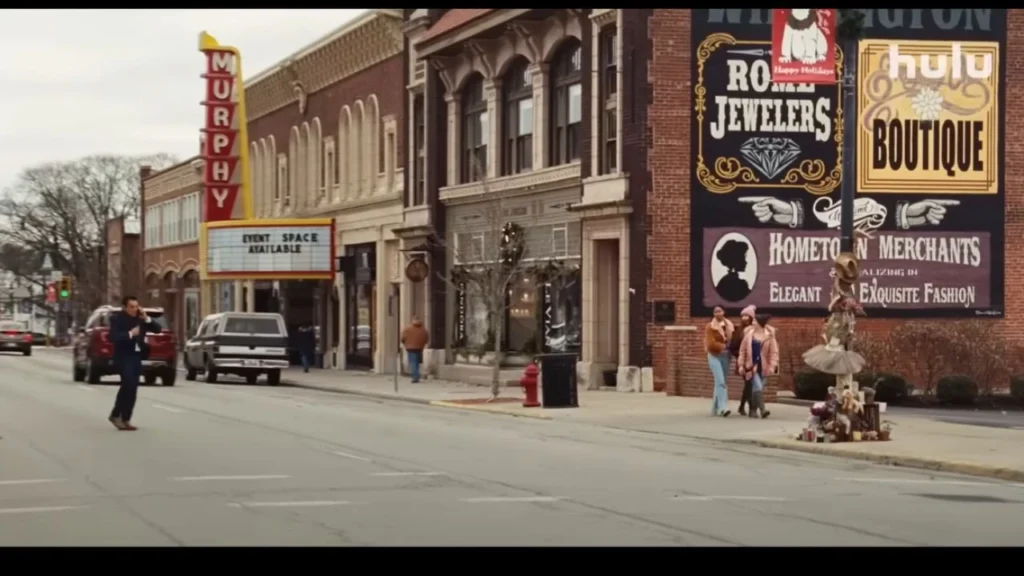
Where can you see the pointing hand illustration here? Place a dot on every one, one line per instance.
(771, 209)
(927, 212)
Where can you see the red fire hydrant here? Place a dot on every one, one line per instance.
(529, 384)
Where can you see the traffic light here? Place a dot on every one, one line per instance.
(65, 288)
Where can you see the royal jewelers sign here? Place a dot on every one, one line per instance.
(226, 186)
(270, 249)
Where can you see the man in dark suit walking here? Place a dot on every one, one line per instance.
(128, 332)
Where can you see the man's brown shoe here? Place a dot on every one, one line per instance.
(129, 427)
(117, 422)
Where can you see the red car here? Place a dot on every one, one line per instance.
(93, 354)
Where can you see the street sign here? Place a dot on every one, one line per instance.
(51, 293)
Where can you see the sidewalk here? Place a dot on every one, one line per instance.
(917, 442)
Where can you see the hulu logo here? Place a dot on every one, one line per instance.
(937, 67)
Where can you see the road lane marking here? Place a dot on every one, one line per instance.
(918, 481)
(512, 499)
(214, 478)
(392, 474)
(87, 388)
(297, 504)
(738, 498)
(39, 509)
(30, 481)
(167, 408)
(351, 456)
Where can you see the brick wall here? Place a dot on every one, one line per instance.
(326, 105)
(668, 208)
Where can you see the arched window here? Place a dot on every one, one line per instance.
(475, 130)
(517, 145)
(566, 103)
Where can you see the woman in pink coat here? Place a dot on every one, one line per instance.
(759, 358)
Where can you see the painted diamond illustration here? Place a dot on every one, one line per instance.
(770, 156)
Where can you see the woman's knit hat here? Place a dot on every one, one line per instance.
(749, 311)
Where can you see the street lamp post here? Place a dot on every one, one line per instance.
(849, 28)
(836, 355)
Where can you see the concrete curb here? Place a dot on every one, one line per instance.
(487, 408)
(794, 402)
(374, 395)
(966, 468)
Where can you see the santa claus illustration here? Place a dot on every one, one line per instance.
(802, 40)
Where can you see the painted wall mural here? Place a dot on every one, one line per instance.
(929, 209)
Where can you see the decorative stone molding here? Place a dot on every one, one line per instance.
(604, 17)
(358, 45)
(177, 178)
(533, 182)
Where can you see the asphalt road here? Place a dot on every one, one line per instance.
(258, 466)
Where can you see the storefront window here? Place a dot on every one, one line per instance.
(476, 319)
(522, 316)
(563, 317)
(191, 313)
(361, 336)
(539, 315)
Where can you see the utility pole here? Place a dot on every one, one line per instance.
(849, 28)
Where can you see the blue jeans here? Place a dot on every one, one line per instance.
(415, 358)
(719, 368)
(307, 359)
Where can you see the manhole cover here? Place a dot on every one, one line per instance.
(970, 499)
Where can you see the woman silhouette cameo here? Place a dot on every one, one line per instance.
(733, 255)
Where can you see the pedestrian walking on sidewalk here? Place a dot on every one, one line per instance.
(415, 338)
(717, 334)
(746, 324)
(307, 345)
(128, 330)
(759, 357)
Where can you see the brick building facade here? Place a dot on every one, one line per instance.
(170, 244)
(675, 340)
(124, 253)
(529, 110)
(325, 143)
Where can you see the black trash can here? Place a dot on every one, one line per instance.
(558, 380)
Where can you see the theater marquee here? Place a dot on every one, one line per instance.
(926, 135)
(269, 249)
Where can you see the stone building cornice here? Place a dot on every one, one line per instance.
(359, 44)
(181, 176)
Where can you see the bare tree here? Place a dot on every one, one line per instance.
(61, 209)
(490, 261)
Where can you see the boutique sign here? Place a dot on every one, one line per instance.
(297, 249)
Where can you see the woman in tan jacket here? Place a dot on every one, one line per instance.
(716, 335)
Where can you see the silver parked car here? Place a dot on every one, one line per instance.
(246, 344)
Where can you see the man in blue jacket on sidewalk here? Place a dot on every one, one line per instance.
(128, 332)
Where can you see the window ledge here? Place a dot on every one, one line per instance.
(605, 189)
(550, 178)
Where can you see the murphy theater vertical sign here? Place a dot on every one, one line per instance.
(225, 151)
(929, 146)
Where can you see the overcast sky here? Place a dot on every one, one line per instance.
(81, 82)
